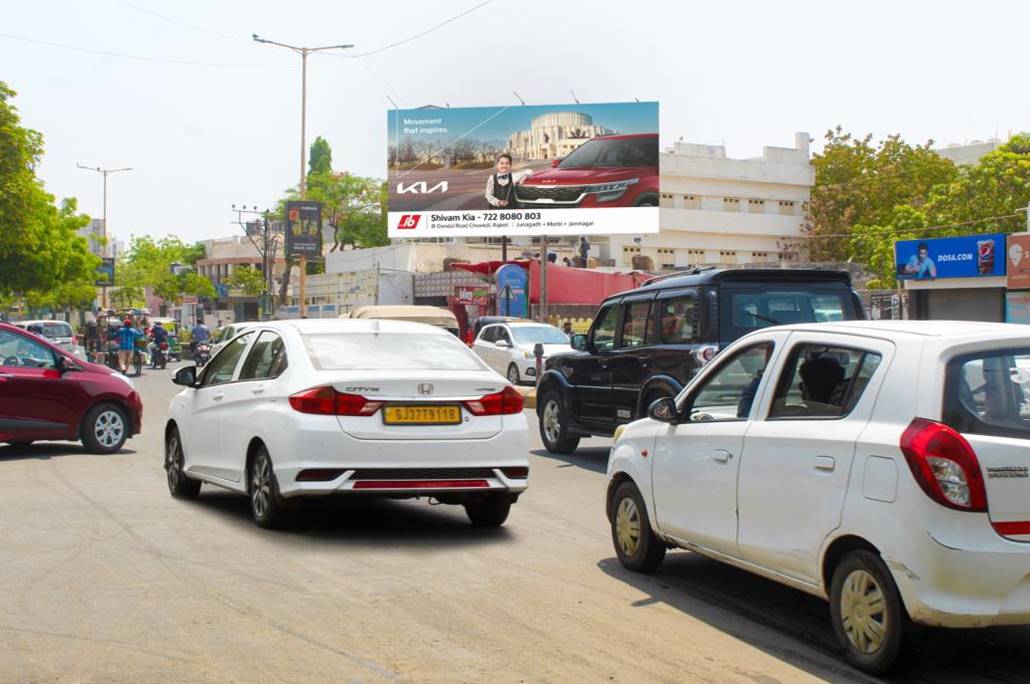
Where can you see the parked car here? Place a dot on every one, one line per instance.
(607, 171)
(647, 343)
(224, 335)
(48, 394)
(508, 347)
(881, 465)
(303, 408)
(60, 332)
(430, 315)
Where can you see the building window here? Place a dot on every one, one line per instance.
(691, 202)
(730, 204)
(727, 256)
(665, 200)
(780, 256)
(788, 208)
(666, 258)
(755, 206)
(760, 257)
(696, 256)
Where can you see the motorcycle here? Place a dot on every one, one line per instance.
(202, 354)
(159, 355)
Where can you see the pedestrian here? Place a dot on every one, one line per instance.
(126, 344)
(567, 328)
(500, 186)
(584, 249)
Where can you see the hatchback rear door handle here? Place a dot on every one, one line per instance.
(825, 463)
(721, 456)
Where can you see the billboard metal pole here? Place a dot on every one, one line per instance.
(543, 280)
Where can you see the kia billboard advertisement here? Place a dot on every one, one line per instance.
(570, 169)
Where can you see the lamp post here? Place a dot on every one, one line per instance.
(303, 52)
(103, 234)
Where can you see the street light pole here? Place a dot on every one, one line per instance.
(303, 52)
(103, 234)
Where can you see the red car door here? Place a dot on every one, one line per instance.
(37, 401)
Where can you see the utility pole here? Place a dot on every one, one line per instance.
(303, 52)
(103, 233)
(267, 253)
(543, 279)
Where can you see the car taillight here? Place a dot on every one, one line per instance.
(516, 473)
(327, 401)
(944, 465)
(505, 402)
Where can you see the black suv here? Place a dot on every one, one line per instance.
(647, 343)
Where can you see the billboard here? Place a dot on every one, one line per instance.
(1018, 253)
(523, 170)
(105, 271)
(303, 228)
(968, 256)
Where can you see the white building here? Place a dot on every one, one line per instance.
(94, 232)
(717, 210)
(554, 135)
(969, 154)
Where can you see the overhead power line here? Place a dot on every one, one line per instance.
(421, 33)
(192, 27)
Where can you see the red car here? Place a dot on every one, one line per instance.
(46, 393)
(608, 171)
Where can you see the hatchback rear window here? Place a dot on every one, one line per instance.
(767, 305)
(57, 330)
(988, 393)
(389, 351)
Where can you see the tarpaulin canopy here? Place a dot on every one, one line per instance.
(580, 285)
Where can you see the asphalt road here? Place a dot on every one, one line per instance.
(105, 578)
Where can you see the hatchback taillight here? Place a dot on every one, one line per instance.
(505, 402)
(327, 401)
(944, 465)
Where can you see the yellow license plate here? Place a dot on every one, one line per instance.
(422, 415)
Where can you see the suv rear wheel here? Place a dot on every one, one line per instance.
(554, 429)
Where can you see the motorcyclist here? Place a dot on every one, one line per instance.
(158, 337)
(126, 344)
(198, 334)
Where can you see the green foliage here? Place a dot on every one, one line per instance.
(148, 263)
(857, 183)
(246, 281)
(41, 255)
(997, 186)
(320, 157)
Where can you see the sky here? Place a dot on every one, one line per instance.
(218, 121)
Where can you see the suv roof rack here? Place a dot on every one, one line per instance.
(690, 271)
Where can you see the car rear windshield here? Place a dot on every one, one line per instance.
(608, 152)
(389, 351)
(56, 330)
(545, 334)
(988, 393)
(761, 306)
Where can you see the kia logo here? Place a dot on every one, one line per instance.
(425, 388)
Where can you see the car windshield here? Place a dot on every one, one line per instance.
(57, 330)
(761, 307)
(618, 152)
(545, 334)
(389, 351)
(989, 393)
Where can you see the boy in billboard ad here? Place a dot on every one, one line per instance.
(524, 170)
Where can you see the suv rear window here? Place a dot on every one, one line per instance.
(988, 393)
(761, 306)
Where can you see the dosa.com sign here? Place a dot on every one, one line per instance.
(953, 257)
(523, 170)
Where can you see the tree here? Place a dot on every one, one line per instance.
(857, 183)
(320, 157)
(149, 263)
(247, 281)
(41, 255)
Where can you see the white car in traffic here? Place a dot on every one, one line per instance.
(882, 465)
(508, 347)
(291, 409)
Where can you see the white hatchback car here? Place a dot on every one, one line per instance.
(881, 465)
(303, 408)
(508, 347)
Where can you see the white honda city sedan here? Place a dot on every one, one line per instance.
(303, 408)
(882, 465)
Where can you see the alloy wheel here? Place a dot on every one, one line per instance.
(552, 421)
(863, 611)
(261, 486)
(174, 462)
(627, 526)
(109, 429)
(513, 374)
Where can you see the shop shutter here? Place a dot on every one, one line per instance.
(973, 304)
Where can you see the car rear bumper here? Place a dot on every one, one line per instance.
(988, 584)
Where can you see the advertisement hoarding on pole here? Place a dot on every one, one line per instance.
(105, 271)
(523, 170)
(303, 229)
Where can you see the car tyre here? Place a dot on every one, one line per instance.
(868, 616)
(180, 485)
(636, 545)
(491, 511)
(266, 504)
(554, 430)
(104, 429)
(513, 374)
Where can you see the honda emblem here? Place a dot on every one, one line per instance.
(425, 388)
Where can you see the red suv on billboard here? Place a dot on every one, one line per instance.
(607, 171)
(46, 393)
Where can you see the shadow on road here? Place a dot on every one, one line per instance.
(590, 458)
(366, 521)
(46, 450)
(791, 625)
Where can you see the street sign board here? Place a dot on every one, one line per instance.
(303, 228)
(1017, 251)
(570, 169)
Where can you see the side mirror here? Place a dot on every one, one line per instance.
(578, 342)
(663, 410)
(555, 162)
(186, 377)
(503, 343)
